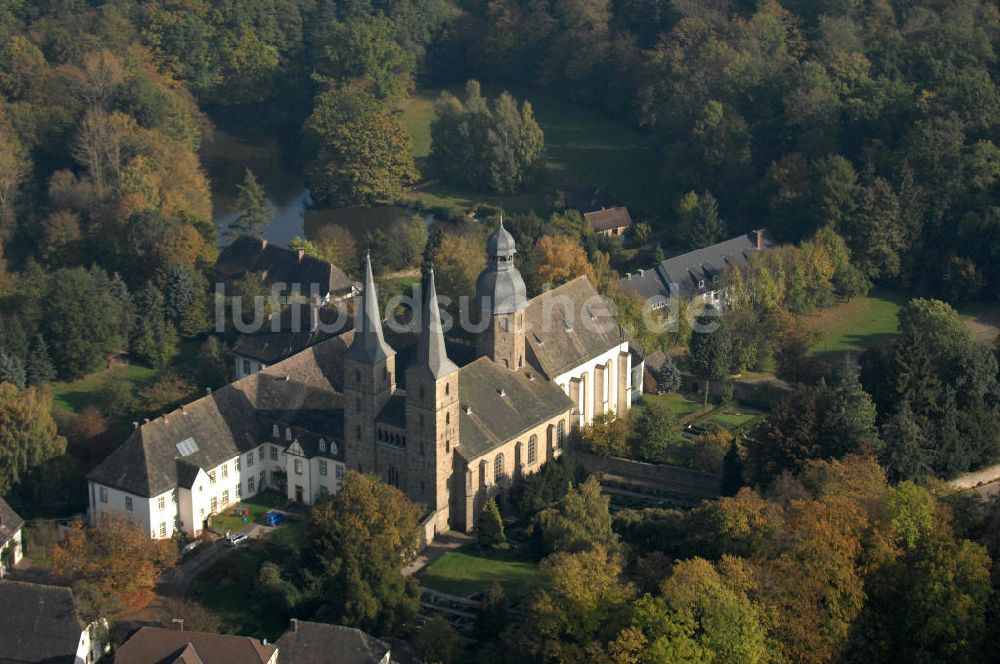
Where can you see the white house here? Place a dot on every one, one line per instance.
(46, 626)
(11, 543)
(274, 429)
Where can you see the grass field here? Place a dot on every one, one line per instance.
(257, 506)
(582, 147)
(468, 571)
(856, 325)
(74, 396)
(679, 404)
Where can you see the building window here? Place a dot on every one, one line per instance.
(275, 432)
(214, 504)
(103, 493)
(339, 472)
(447, 389)
(447, 418)
(225, 470)
(533, 449)
(250, 483)
(322, 445)
(298, 466)
(211, 477)
(393, 476)
(322, 467)
(173, 497)
(323, 492)
(246, 367)
(288, 434)
(238, 492)
(249, 459)
(225, 497)
(701, 283)
(498, 468)
(201, 512)
(161, 503)
(262, 480)
(560, 434)
(163, 528)
(260, 453)
(274, 453)
(128, 503)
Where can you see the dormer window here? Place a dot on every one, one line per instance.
(322, 445)
(275, 431)
(701, 283)
(288, 434)
(715, 279)
(333, 448)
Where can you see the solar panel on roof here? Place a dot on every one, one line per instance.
(187, 446)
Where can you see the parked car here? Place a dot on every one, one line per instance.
(275, 519)
(236, 540)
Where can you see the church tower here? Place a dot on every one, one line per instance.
(431, 413)
(501, 297)
(369, 378)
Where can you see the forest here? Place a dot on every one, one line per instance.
(863, 134)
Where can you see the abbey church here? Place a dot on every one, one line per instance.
(448, 422)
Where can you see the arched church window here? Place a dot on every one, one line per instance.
(447, 446)
(447, 418)
(447, 388)
(560, 433)
(498, 468)
(533, 449)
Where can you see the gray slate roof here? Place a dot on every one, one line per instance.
(494, 418)
(309, 642)
(303, 391)
(569, 325)
(10, 522)
(38, 623)
(269, 346)
(157, 645)
(276, 264)
(431, 353)
(369, 342)
(702, 265)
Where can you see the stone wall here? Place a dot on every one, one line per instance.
(672, 479)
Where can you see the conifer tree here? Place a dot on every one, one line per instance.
(489, 526)
(255, 210)
(11, 370)
(39, 367)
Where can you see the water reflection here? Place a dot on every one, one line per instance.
(226, 157)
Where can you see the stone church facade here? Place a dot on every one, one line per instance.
(449, 430)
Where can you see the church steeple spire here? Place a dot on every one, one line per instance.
(369, 344)
(431, 352)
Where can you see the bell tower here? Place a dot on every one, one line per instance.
(432, 413)
(369, 378)
(502, 297)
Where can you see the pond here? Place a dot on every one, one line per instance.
(226, 156)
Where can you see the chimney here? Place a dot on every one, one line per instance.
(302, 252)
(165, 421)
(184, 409)
(135, 425)
(642, 271)
(760, 239)
(208, 390)
(295, 625)
(145, 421)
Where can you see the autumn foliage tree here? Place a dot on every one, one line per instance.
(558, 259)
(112, 563)
(28, 435)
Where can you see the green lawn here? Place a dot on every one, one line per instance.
(77, 395)
(226, 589)
(731, 419)
(583, 147)
(257, 506)
(468, 571)
(678, 404)
(856, 325)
